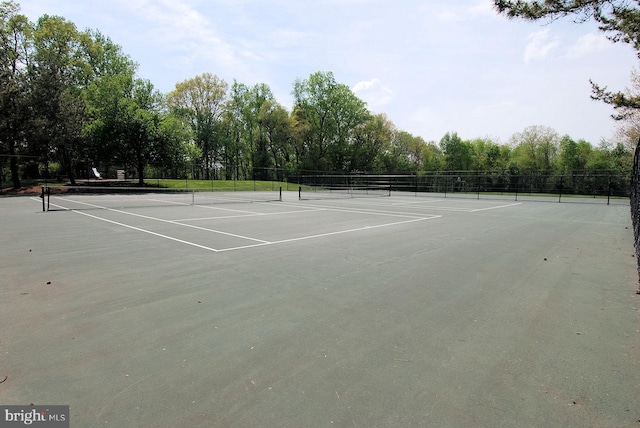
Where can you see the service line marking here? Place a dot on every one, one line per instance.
(496, 207)
(377, 212)
(258, 243)
(185, 220)
(339, 232)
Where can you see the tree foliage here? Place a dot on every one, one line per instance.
(70, 100)
(332, 112)
(15, 40)
(200, 101)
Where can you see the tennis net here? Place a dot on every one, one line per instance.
(337, 192)
(71, 198)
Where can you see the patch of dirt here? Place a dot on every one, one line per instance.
(28, 190)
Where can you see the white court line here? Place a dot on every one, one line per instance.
(182, 241)
(496, 207)
(209, 207)
(260, 242)
(361, 211)
(452, 209)
(174, 203)
(417, 202)
(161, 220)
(78, 202)
(191, 226)
(322, 235)
(185, 220)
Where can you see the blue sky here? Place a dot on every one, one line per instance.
(431, 66)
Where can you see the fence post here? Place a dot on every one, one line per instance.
(560, 188)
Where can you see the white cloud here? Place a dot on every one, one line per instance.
(175, 25)
(448, 16)
(540, 45)
(588, 44)
(373, 92)
(483, 7)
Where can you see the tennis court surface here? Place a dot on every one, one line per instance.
(389, 311)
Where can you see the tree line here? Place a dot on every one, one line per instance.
(71, 100)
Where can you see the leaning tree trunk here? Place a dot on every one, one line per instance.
(635, 205)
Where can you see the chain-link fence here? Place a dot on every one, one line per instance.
(634, 200)
(579, 186)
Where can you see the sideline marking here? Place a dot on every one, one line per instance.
(259, 243)
(190, 226)
(182, 241)
(164, 221)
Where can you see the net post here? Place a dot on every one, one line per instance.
(560, 188)
(299, 193)
(42, 197)
(193, 197)
(280, 197)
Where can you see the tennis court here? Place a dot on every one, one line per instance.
(382, 311)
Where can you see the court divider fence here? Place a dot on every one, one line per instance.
(602, 187)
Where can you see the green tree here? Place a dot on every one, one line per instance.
(201, 102)
(107, 101)
(15, 45)
(535, 149)
(276, 129)
(173, 150)
(142, 126)
(332, 113)
(112, 79)
(369, 140)
(432, 158)
(458, 155)
(57, 73)
(487, 155)
(125, 122)
(249, 152)
(574, 156)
